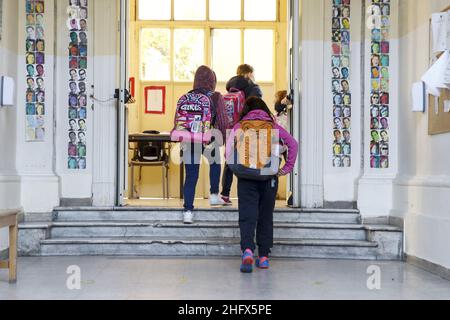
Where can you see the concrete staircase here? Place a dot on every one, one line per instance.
(299, 233)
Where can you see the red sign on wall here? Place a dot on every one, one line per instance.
(132, 87)
(155, 100)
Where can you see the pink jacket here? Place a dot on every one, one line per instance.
(285, 137)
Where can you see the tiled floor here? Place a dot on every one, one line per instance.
(135, 278)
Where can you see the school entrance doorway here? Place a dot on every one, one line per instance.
(162, 44)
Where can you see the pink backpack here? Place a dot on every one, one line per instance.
(193, 118)
(234, 103)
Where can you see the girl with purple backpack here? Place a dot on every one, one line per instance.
(258, 177)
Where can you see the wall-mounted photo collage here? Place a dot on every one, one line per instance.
(77, 84)
(340, 84)
(379, 87)
(35, 70)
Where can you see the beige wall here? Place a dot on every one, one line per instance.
(428, 152)
(9, 182)
(8, 63)
(139, 121)
(423, 189)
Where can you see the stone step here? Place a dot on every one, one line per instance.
(389, 239)
(150, 246)
(206, 230)
(219, 214)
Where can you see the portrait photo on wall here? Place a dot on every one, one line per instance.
(340, 83)
(379, 89)
(77, 83)
(35, 70)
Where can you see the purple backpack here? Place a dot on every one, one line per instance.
(193, 118)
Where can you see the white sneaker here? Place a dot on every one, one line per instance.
(188, 217)
(215, 200)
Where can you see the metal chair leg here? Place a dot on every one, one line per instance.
(167, 181)
(139, 187)
(163, 182)
(133, 195)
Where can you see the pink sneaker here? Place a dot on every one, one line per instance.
(262, 263)
(247, 261)
(226, 200)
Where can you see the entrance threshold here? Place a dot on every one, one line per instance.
(177, 203)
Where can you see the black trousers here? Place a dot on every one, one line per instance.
(256, 206)
(227, 181)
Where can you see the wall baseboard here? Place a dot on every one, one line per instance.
(340, 205)
(431, 267)
(38, 217)
(384, 220)
(396, 221)
(74, 202)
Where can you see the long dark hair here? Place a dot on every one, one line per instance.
(279, 96)
(255, 103)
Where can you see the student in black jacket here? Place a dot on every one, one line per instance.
(243, 81)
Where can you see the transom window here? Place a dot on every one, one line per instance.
(189, 10)
(155, 10)
(229, 10)
(178, 36)
(219, 10)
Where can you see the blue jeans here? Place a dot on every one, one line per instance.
(191, 157)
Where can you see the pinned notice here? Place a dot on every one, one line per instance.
(419, 97)
(6, 91)
(440, 24)
(438, 76)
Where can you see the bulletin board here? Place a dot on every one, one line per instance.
(438, 120)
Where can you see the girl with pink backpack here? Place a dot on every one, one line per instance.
(200, 112)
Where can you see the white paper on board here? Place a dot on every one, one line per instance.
(419, 97)
(447, 106)
(6, 91)
(155, 101)
(439, 30)
(438, 76)
(436, 105)
(448, 30)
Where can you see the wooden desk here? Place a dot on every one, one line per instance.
(144, 137)
(162, 137)
(8, 219)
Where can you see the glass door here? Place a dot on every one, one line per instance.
(122, 132)
(294, 90)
